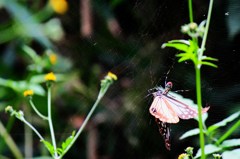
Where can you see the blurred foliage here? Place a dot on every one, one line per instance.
(126, 38)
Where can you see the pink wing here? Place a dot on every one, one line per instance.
(169, 110)
(163, 111)
(183, 110)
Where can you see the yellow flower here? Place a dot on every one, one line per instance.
(53, 58)
(59, 6)
(50, 77)
(28, 93)
(183, 156)
(112, 76)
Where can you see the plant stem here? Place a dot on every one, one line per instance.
(9, 141)
(190, 11)
(206, 30)
(28, 124)
(50, 121)
(228, 133)
(100, 95)
(28, 135)
(198, 81)
(35, 109)
(82, 126)
(199, 103)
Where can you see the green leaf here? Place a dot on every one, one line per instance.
(68, 141)
(178, 46)
(223, 122)
(184, 58)
(20, 86)
(25, 24)
(49, 146)
(190, 133)
(180, 41)
(59, 151)
(181, 54)
(209, 149)
(230, 143)
(209, 58)
(234, 154)
(209, 64)
(32, 53)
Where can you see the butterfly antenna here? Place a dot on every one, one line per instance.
(183, 90)
(169, 70)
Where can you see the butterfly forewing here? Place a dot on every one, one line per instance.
(164, 129)
(162, 110)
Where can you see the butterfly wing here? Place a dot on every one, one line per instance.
(164, 129)
(182, 110)
(162, 110)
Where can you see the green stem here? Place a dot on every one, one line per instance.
(28, 135)
(9, 141)
(29, 125)
(50, 121)
(190, 11)
(199, 103)
(35, 109)
(206, 30)
(100, 95)
(229, 132)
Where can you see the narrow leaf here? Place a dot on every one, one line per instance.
(49, 146)
(68, 141)
(32, 53)
(190, 133)
(230, 143)
(223, 122)
(178, 46)
(209, 64)
(184, 58)
(209, 58)
(180, 41)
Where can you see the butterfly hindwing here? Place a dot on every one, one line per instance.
(183, 110)
(164, 129)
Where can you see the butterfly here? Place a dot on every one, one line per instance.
(167, 110)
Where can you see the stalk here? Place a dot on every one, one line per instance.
(50, 121)
(228, 133)
(190, 11)
(199, 103)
